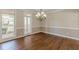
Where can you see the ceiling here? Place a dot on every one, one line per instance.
(45, 10)
(50, 10)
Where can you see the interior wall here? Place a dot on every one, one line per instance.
(36, 25)
(19, 23)
(64, 23)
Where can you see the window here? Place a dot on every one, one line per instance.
(7, 25)
(27, 25)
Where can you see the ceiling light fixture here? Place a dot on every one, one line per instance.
(41, 15)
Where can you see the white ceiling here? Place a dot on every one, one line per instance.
(45, 10)
(51, 10)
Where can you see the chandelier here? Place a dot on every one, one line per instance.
(41, 15)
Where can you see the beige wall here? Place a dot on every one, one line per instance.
(62, 19)
(65, 23)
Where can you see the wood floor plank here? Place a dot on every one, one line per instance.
(41, 41)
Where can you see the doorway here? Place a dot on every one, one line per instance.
(27, 25)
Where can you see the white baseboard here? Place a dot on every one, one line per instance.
(8, 39)
(43, 32)
(35, 32)
(26, 35)
(62, 35)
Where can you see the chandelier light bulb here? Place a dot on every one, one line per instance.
(44, 15)
(38, 14)
(41, 15)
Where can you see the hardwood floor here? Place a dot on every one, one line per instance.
(41, 41)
